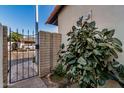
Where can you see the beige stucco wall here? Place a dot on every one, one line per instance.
(1, 56)
(111, 17)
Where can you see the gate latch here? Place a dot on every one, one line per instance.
(37, 46)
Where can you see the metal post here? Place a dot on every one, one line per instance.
(37, 36)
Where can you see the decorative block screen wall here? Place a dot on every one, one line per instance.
(48, 49)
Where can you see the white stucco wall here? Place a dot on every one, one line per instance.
(1, 56)
(111, 17)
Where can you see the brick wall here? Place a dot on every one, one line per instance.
(49, 46)
(5, 57)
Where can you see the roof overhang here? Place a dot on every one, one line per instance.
(53, 18)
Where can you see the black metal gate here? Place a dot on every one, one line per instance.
(21, 55)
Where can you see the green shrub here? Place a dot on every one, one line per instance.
(60, 70)
(91, 55)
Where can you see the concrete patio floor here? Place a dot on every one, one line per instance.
(34, 82)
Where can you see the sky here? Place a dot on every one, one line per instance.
(23, 17)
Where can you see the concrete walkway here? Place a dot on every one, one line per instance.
(25, 69)
(34, 82)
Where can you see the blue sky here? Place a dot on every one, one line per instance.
(23, 17)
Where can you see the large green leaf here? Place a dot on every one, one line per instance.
(89, 40)
(103, 44)
(92, 24)
(117, 41)
(62, 46)
(79, 66)
(110, 68)
(104, 31)
(86, 79)
(113, 52)
(115, 64)
(118, 48)
(96, 52)
(72, 62)
(92, 78)
(110, 33)
(121, 68)
(82, 61)
(88, 68)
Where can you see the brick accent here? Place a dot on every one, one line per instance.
(5, 56)
(48, 49)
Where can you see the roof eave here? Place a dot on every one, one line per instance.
(53, 18)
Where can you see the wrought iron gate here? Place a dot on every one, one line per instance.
(22, 55)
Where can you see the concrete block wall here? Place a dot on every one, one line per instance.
(5, 56)
(44, 50)
(48, 49)
(1, 56)
(55, 46)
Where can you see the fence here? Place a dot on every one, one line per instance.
(48, 48)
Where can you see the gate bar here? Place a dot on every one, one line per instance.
(17, 57)
(33, 52)
(28, 54)
(23, 55)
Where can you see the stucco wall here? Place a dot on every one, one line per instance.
(1, 56)
(111, 17)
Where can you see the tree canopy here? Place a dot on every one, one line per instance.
(15, 37)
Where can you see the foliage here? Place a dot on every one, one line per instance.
(60, 70)
(91, 55)
(56, 78)
(15, 37)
